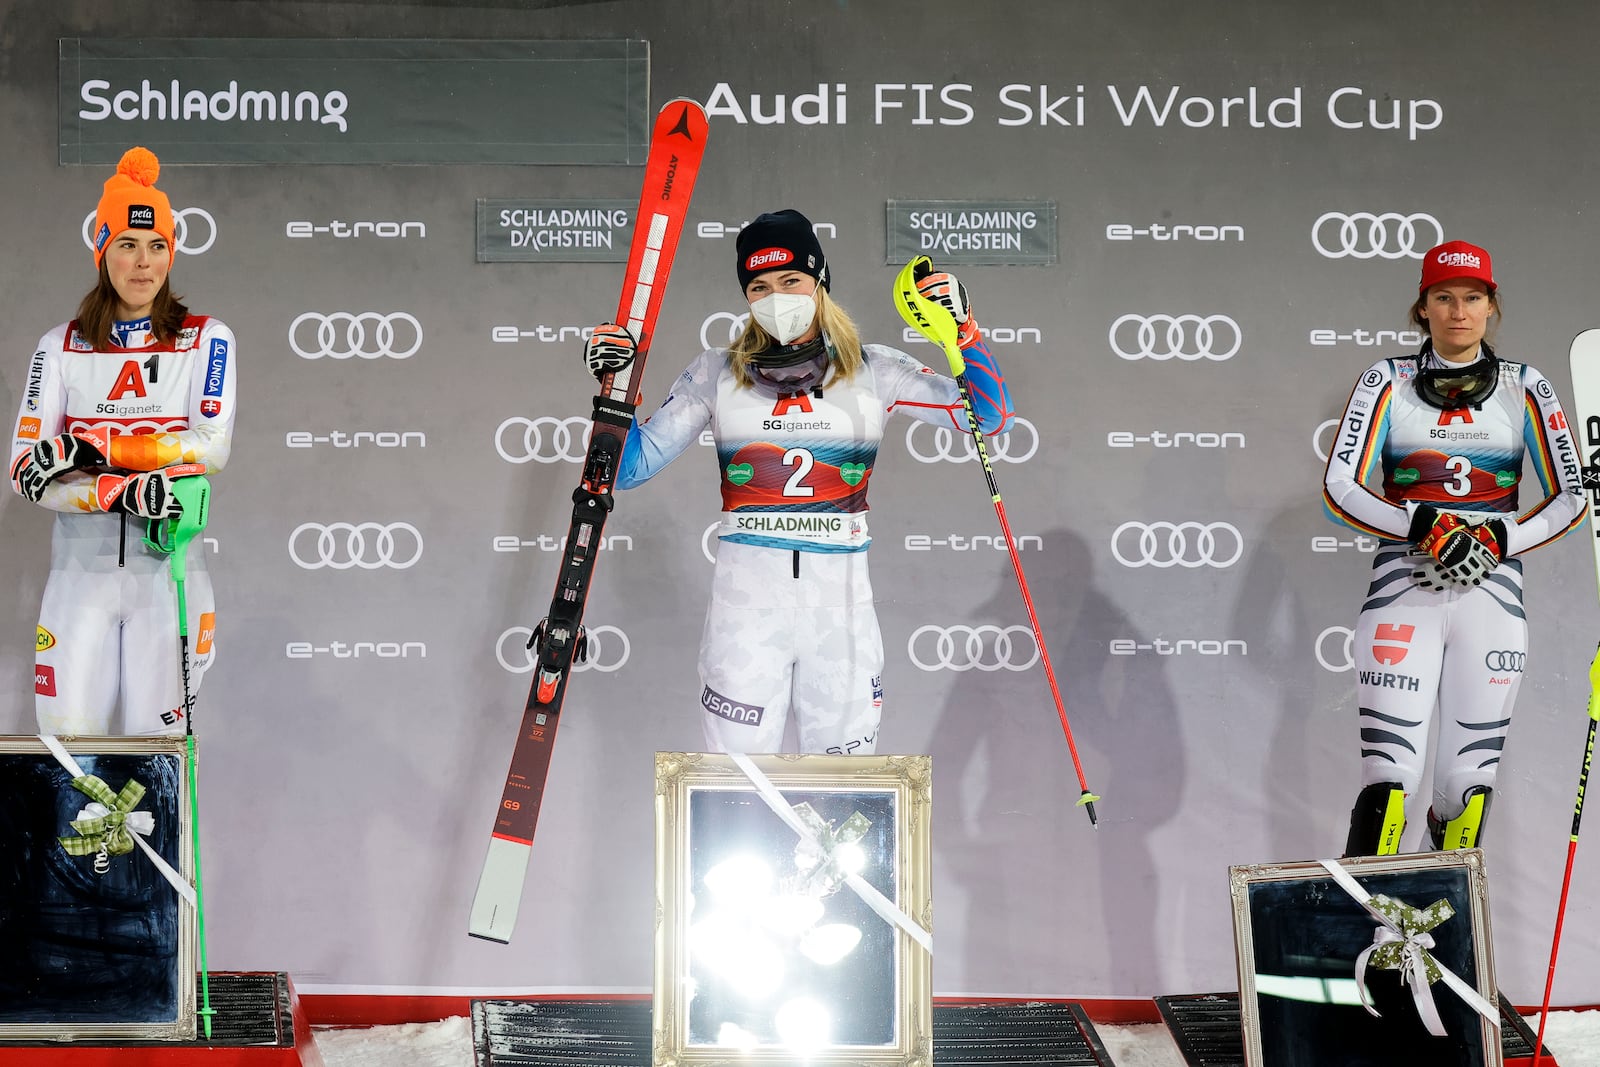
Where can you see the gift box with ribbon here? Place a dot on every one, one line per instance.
(1367, 962)
(97, 921)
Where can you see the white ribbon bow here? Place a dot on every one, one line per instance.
(863, 889)
(1413, 963)
(140, 822)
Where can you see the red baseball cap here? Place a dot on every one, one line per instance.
(1455, 259)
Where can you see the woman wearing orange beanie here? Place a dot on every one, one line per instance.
(132, 393)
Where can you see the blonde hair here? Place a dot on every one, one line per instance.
(844, 343)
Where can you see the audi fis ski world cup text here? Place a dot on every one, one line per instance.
(1023, 104)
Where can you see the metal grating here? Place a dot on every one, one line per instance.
(251, 1010)
(1206, 1029)
(602, 1033)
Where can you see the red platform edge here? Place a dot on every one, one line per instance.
(352, 1009)
(302, 1054)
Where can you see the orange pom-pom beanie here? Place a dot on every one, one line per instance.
(131, 201)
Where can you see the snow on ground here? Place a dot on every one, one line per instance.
(1573, 1037)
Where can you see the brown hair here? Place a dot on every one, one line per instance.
(843, 338)
(98, 310)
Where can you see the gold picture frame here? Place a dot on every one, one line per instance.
(96, 946)
(740, 971)
(1299, 934)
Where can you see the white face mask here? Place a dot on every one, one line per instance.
(785, 315)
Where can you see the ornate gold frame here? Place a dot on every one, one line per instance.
(1377, 874)
(908, 780)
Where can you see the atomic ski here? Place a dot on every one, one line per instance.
(677, 145)
(1585, 357)
(1585, 361)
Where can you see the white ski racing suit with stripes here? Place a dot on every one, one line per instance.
(108, 622)
(1461, 650)
(791, 624)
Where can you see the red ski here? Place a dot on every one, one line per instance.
(677, 145)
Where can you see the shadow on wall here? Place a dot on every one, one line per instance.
(1312, 764)
(1015, 841)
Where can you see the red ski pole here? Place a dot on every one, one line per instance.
(936, 324)
(1572, 852)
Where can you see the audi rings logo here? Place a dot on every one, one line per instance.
(711, 332)
(543, 440)
(342, 545)
(967, 648)
(1336, 649)
(1177, 544)
(707, 540)
(367, 334)
(1364, 235)
(188, 227)
(607, 650)
(1324, 431)
(1505, 660)
(1016, 445)
(1185, 337)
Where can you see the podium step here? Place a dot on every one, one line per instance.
(616, 1033)
(1205, 1027)
(257, 1023)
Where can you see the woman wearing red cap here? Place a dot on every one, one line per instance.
(132, 393)
(797, 406)
(1443, 625)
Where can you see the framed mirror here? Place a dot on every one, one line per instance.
(1299, 934)
(95, 942)
(792, 910)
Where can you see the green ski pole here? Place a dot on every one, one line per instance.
(172, 536)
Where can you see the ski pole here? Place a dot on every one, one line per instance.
(1572, 851)
(935, 322)
(172, 536)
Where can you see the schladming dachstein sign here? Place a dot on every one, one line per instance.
(984, 232)
(258, 100)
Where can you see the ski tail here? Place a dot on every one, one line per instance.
(677, 145)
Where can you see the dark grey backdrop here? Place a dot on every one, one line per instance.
(348, 800)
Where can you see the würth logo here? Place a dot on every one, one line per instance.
(768, 259)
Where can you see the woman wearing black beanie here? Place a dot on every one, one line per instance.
(796, 405)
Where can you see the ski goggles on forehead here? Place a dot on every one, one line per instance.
(1451, 388)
